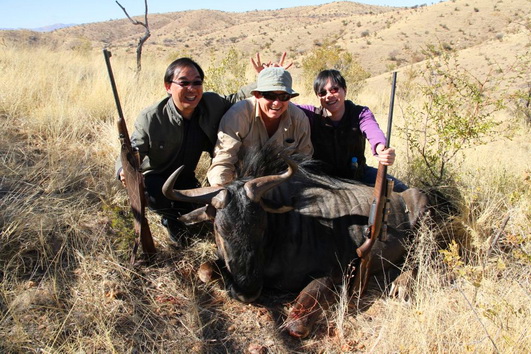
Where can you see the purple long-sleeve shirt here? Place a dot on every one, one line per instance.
(367, 122)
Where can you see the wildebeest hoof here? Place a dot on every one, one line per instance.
(208, 272)
(300, 321)
(312, 301)
(297, 329)
(297, 326)
(401, 288)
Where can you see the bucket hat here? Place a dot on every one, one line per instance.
(275, 79)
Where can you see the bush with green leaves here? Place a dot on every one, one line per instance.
(227, 75)
(521, 98)
(330, 56)
(455, 112)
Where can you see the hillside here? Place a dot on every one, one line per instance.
(381, 37)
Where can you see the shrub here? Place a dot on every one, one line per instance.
(456, 113)
(227, 75)
(330, 56)
(521, 98)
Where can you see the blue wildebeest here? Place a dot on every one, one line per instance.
(294, 229)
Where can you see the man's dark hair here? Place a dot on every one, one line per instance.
(333, 75)
(181, 63)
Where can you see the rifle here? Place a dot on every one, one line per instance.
(377, 225)
(134, 180)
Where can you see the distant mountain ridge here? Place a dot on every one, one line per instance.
(49, 28)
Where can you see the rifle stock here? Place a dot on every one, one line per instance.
(377, 216)
(134, 179)
(377, 211)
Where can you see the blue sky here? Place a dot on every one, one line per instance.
(40, 13)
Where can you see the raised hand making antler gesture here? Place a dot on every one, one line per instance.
(258, 65)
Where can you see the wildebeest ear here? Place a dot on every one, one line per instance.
(208, 212)
(221, 199)
(274, 207)
(416, 203)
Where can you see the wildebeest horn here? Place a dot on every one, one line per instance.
(197, 195)
(256, 188)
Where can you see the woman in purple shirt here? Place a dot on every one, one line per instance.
(340, 129)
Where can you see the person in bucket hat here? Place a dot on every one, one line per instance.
(266, 118)
(340, 130)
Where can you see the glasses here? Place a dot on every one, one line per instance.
(271, 96)
(332, 90)
(189, 83)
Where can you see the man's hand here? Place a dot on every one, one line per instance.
(259, 66)
(122, 177)
(386, 156)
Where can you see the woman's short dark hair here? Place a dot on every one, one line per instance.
(181, 63)
(322, 79)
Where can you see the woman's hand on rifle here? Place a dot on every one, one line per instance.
(385, 156)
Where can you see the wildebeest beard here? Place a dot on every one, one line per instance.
(242, 224)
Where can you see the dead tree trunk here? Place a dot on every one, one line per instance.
(142, 39)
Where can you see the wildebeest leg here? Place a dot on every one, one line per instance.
(312, 301)
(361, 276)
(401, 287)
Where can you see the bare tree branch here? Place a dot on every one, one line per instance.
(144, 38)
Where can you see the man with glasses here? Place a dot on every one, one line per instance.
(174, 132)
(266, 118)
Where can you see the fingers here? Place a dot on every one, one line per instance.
(386, 156)
(257, 64)
(122, 178)
(384, 161)
(282, 58)
(281, 62)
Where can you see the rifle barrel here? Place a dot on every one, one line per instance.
(108, 55)
(391, 105)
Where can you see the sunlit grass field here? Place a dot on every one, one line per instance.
(66, 284)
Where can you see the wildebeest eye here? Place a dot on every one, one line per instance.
(290, 140)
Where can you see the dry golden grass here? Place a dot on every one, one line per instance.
(66, 284)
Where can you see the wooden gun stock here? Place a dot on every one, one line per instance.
(134, 179)
(377, 211)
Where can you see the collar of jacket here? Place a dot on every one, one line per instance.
(176, 116)
(345, 120)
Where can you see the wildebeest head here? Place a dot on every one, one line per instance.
(239, 211)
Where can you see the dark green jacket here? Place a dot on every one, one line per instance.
(158, 133)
